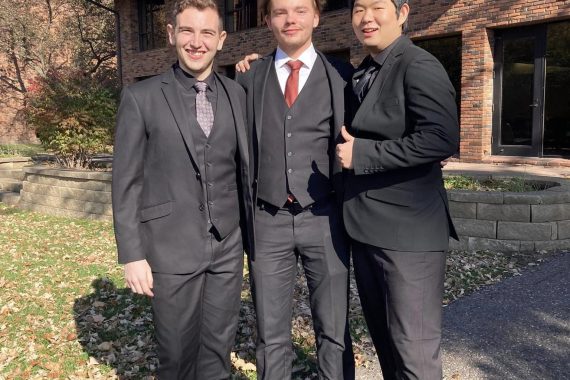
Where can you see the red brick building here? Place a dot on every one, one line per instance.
(508, 59)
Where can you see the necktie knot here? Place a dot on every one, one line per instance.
(295, 65)
(200, 86)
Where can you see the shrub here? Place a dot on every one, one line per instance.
(73, 116)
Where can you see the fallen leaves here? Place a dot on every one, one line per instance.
(64, 311)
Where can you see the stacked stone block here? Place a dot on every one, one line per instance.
(512, 222)
(72, 193)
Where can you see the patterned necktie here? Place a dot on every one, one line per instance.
(204, 112)
(292, 84)
(362, 80)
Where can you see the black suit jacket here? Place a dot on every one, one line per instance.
(254, 82)
(157, 191)
(406, 124)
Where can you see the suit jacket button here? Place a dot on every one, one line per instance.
(211, 203)
(201, 207)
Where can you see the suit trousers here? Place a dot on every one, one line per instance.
(196, 315)
(401, 295)
(316, 236)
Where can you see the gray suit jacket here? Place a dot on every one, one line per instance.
(157, 191)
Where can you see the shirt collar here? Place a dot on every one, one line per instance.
(308, 57)
(188, 80)
(381, 57)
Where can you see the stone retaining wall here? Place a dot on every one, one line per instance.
(64, 192)
(512, 222)
(498, 221)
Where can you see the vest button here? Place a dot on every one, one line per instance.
(289, 171)
(201, 207)
(211, 203)
(290, 154)
(289, 134)
(289, 117)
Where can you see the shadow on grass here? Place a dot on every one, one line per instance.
(115, 328)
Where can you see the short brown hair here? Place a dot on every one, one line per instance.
(319, 6)
(181, 5)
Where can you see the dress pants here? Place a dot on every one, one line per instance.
(401, 295)
(316, 236)
(196, 315)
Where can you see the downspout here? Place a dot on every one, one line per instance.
(118, 38)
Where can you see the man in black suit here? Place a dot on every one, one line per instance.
(404, 122)
(181, 188)
(295, 109)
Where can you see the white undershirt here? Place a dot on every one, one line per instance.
(308, 58)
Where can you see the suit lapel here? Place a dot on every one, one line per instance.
(336, 84)
(259, 86)
(376, 88)
(174, 100)
(239, 119)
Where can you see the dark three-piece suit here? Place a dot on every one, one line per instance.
(396, 209)
(178, 199)
(293, 154)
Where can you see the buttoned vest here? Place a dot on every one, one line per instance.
(295, 143)
(217, 157)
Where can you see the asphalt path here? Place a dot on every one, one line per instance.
(516, 329)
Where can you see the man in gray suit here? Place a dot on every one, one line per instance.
(295, 109)
(180, 190)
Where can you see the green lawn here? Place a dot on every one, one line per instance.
(20, 150)
(65, 313)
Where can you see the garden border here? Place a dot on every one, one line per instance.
(492, 220)
(510, 221)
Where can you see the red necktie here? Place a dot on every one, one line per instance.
(292, 84)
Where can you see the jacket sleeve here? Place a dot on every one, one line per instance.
(432, 131)
(128, 163)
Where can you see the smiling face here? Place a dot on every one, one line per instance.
(197, 36)
(292, 23)
(377, 24)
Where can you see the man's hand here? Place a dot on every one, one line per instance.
(444, 162)
(139, 277)
(243, 65)
(344, 150)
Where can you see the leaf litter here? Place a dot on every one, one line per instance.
(65, 312)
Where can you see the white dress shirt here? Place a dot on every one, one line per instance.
(308, 58)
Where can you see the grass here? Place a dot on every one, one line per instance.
(20, 150)
(513, 184)
(65, 313)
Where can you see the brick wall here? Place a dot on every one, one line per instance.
(474, 20)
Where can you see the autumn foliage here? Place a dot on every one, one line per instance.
(73, 116)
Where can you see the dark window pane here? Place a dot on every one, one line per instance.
(240, 15)
(448, 51)
(152, 24)
(557, 97)
(336, 4)
(518, 76)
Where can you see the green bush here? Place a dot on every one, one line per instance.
(73, 116)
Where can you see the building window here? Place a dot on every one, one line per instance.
(152, 24)
(240, 15)
(448, 51)
(337, 4)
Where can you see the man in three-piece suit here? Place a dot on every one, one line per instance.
(181, 188)
(295, 109)
(404, 122)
